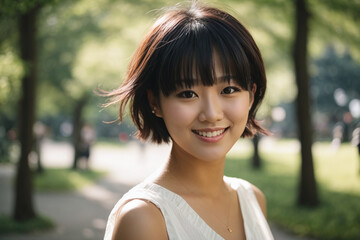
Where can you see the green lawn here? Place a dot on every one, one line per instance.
(337, 217)
(9, 225)
(62, 179)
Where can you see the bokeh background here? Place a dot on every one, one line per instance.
(59, 145)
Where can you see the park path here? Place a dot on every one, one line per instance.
(82, 215)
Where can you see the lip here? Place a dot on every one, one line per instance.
(210, 135)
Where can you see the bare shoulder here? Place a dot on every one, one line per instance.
(260, 198)
(139, 219)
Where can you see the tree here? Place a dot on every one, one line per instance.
(26, 12)
(256, 161)
(344, 16)
(23, 208)
(307, 188)
(333, 22)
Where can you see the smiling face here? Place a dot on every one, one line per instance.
(204, 122)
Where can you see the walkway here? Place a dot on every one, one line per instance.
(82, 215)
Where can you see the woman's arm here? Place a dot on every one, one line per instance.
(138, 220)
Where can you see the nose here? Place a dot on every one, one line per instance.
(211, 109)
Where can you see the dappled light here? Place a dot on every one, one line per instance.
(76, 160)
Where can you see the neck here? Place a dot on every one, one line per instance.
(196, 176)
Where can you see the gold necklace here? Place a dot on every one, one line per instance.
(228, 215)
(228, 228)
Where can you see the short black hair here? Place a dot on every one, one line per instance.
(182, 42)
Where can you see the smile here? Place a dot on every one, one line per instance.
(208, 133)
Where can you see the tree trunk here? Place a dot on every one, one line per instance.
(256, 163)
(77, 126)
(23, 208)
(307, 188)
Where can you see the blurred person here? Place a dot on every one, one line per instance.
(338, 132)
(87, 138)
(40, 131)
(196, 80)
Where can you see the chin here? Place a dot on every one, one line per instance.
(211, 156)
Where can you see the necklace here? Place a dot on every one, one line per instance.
(228, 228)
(228, 215)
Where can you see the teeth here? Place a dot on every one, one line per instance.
(210, 134)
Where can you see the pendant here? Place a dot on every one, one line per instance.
(229, 229)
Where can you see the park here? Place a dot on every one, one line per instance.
(58, 140)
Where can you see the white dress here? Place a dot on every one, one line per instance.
(183, 223)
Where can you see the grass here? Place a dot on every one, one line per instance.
(337, 216)
(62, 179)
(9, 225)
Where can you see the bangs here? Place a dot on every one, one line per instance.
(188, 55)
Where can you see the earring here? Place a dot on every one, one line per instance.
(153, 111)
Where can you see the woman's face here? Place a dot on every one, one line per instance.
(206, 121)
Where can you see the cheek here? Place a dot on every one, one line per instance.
(239, 111)
(177, 114)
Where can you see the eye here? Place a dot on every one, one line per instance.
(230, 90)
(186, 94)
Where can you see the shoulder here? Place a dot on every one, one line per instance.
(260, 198)
(139, 219)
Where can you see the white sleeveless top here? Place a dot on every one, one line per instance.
(183, 223)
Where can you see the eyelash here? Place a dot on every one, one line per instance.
(233, 90)
(186, 94)
(183, 94)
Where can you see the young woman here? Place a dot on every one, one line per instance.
(196, 80)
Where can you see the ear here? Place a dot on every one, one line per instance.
(154, 103)
(252, 95)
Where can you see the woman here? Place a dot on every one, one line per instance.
(196, 80)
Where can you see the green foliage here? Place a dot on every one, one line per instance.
(338, 215)
(9, 226)
(65, 179)
(10, 10)
(335, 22)
(15, 7)
(10, 73)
